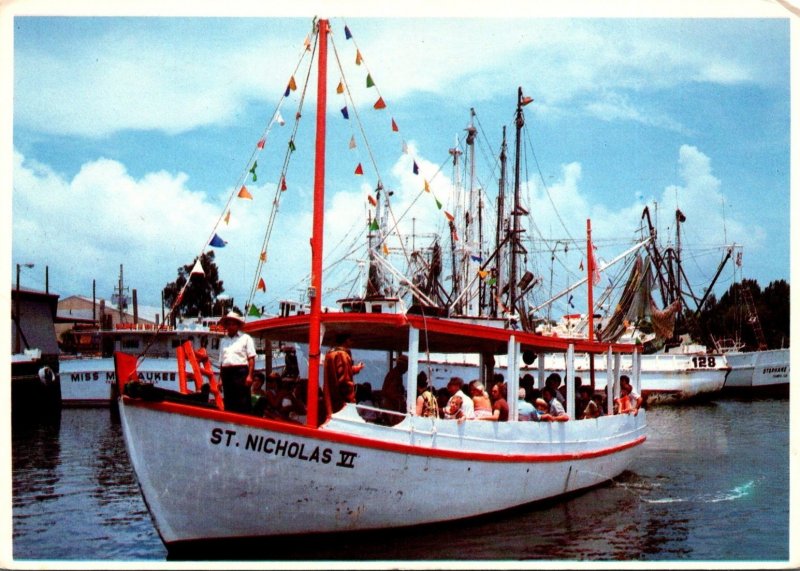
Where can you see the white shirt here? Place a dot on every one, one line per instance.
(236, 350)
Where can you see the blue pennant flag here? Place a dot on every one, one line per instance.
(416, 168)
(217, 242)
(347, 34)
(345, 114)
(475, 258)
(569, 301)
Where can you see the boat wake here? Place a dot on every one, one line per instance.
(726, 496)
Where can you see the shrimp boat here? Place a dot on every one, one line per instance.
(222, 475)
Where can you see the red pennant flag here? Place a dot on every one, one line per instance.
(449, 216)
(379, 104)
(394, 126)
(581, 266)
(283, 183)
(372, 200)
(359, 170)
(261, 143)
(526, 100)
(244, 193)
(261, 284)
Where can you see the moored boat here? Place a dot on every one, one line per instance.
(207, 473)
(763, 372)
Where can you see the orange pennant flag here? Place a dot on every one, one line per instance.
(359, 170)
(427, 187)
(385, 249)
(307, 44)
(483, 274)
(372, 200)
(283, 183)
(358, 57)
(244, 193)
(261, 284)
(380, 104)
(227, 216)
(394, 126)
(449, 216)
(340, 87)
(263, 256)
(526, 100)
(292, 84)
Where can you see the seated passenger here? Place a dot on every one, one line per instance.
(622, 405)
(633, 396)
(480, 400)
(553, 381)
(499, 403)
(588, 408)
(599, 400)
(459, 406)
(555, 411)
(540, 405)
(426, 402)
(525, 410)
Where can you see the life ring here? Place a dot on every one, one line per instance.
(47, 376)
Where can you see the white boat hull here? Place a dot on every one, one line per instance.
(218, 475)
(758, 369)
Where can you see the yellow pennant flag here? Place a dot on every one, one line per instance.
(427, 186)
(292, 84)
(227, 217)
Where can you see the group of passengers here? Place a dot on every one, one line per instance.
(277, 398)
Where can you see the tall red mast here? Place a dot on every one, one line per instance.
(315, 291)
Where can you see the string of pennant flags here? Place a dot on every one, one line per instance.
(251, 172)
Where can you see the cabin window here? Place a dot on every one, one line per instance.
(130, 343)
(377, 308)
(215, 343)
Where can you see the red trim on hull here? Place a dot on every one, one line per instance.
(300, 430)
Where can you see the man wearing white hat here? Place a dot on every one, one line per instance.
(237, 358)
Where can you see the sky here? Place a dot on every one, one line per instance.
(130, 137)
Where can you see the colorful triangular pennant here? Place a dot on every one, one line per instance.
(347, 34)
(427, 187)
(449, 216)
(253, 171)
(292, 83)
(261, 284)
(283, 183)
(197, 269)
(438, 204)
(291, 145)
(372, 200)
(352, 142)
(261, 143)
(217, 242)
(345, 114)
(359, 169)
(415, 168)
(358, 57)
(244, 193)
(394, 126)
(373, 226)
(340, 87)
(253, 311)
(370, 83)
(263, 256)
(380, 103)
(227, 217)
(385, 249)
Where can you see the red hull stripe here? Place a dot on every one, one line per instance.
(303, 431)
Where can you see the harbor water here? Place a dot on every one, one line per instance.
(711, 484)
